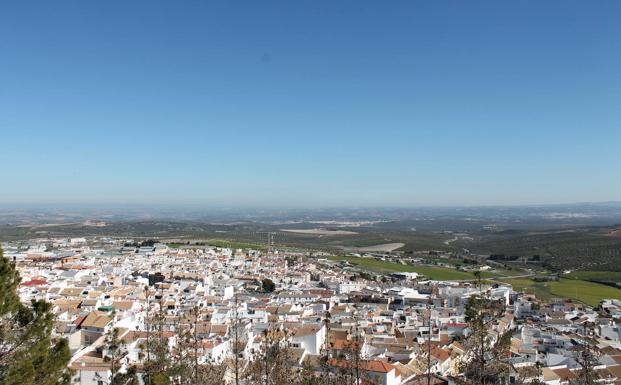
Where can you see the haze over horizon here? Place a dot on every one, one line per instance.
(306, 104)
(308, 207)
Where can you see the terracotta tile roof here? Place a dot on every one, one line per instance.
(90, 363)
(380, 367)
(307, 330)
(219, 329)
(79, 320)
(376, 366)
(71, 291)
(615, 371)
(134, 335)
(422, 380)
(549, 374)
(440, 354)
(65, 304)
(341, 344)
(208, 344)
(96, 319)
(564, 374)
(122, 305)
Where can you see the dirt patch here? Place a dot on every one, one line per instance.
(383, 248)
(319, 231)
(615, 233)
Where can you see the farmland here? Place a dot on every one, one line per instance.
(219, 243)
(597, 276)
(590, 293)
(534, 238)
(431, 272)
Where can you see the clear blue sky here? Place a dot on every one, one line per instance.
(310, 103)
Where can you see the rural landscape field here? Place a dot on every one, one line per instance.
(553, 255)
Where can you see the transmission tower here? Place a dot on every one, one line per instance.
(270, 240)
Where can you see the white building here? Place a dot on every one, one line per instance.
(310, 338)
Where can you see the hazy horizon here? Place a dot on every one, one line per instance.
(190, 206)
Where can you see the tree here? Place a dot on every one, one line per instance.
(487, 363)
(587, 359)
(129, 377)
(115, 351)
(237, 348)
(159, 368)
(28, 353)
(147, 377)
(268, 285)
(191, 371)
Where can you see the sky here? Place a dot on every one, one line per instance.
(310, 103)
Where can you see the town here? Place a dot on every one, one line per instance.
(145, 312)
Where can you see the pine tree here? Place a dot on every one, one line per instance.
(28, 353)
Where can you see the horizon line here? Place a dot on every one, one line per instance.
(160, 206)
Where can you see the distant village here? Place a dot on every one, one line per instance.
(230, 308)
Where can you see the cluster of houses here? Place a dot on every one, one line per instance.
(403, 330)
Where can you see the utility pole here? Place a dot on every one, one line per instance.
(146, 291)
(356, 348)
(429, 309)
(161, 314)
(587, 356)
(265, 354)
(196, 313)
(236, 340)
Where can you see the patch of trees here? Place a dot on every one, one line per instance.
(470, 261)
(367, 276)
(145, 243)
(502, 257)
(291, 260)
(268, 285)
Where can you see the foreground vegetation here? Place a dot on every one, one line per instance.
(29, 355)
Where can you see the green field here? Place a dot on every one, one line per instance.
(431, 272)
(577, 288)
(611, 276)
(235, 245)
(540, 289)
(588, 292)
